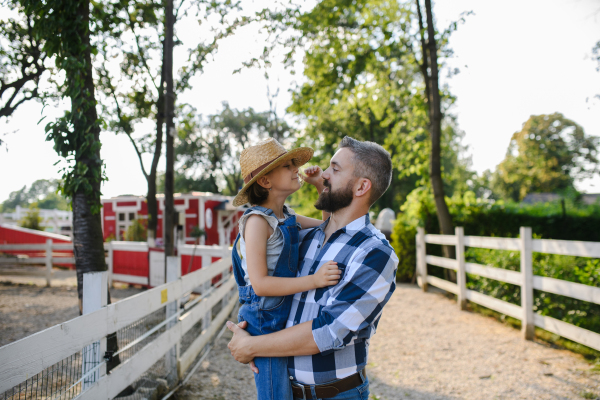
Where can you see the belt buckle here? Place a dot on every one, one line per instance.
(302, 387)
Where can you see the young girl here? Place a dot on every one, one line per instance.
(265, 253)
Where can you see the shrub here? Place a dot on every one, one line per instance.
(482, 218)
(32, 219)
(136, 232)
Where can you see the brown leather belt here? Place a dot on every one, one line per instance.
(328, 390)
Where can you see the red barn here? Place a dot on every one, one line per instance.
(211, 212)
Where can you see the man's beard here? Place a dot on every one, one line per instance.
(330, 201)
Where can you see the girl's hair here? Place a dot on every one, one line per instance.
(257, 194)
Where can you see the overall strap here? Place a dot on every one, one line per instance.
(263, 210)
(236, 262)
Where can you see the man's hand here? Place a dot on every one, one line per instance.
(312, 175)
(239, 344)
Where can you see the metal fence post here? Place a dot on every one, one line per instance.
(48, 261)
(173, 273)
(461, 277)
(527, 324)
(421, 259)
(95, 296)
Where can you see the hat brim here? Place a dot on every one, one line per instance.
(301, 154)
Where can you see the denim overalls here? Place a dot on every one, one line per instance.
(269, 314)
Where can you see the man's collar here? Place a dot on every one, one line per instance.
(352, 228)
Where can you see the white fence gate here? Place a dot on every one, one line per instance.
(525, 278)
(27, 367)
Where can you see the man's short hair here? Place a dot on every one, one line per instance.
(371, 161)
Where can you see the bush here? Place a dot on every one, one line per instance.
(573, 269)
(32, 220)
(482, 218)
(136, 232)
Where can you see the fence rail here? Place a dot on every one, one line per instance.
(526, 245)
(49, 249)
(33, 355)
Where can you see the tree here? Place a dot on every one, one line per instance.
(65, 24)
(430, 68)
(187, 183)
(213, 145)
(548, 154)
(137, 93)
(44, 192)
(169, 214)
(23, 60)
(363, 79)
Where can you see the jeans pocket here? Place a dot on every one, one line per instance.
(363, 390)
(269, 303)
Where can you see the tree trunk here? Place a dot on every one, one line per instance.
(435, 119)
(88, 242)
(169, 214)
(160, 121)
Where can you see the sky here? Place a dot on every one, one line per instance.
(516, 58)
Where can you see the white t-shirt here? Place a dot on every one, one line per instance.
(274, 243)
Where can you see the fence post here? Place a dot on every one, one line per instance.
(206, 261)
(109, 262)
(421, 262)
(226, 273)
(95, 294)
(48, 261)
(461, 277)
(527, 324)
(173, 273)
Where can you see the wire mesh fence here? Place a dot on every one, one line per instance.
(65, 379)
(58, 380)
(62, 380)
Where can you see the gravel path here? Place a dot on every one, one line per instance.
(26, 308)
(425, 348)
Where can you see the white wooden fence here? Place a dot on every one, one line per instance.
(27, 357)
(525, 278)
(50, 258)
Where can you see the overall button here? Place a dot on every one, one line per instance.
(318, 246)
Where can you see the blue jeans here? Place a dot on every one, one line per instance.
(360, 392)
(269, 314)
(272, 381)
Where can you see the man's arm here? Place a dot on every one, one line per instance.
(294, 341)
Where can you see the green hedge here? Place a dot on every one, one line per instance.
(479, 218)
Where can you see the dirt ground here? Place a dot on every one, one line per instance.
(26, 308)
(425, 348)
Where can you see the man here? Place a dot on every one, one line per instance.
(328, 329)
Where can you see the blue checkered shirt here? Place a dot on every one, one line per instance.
(344, 316)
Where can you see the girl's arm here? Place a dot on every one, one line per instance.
(258, 231)
(307, 222)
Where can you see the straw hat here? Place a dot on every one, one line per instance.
(262, 158)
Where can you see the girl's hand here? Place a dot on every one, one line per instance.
(312, 175)
(327, 275)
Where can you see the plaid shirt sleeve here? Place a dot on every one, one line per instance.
(357, 300)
